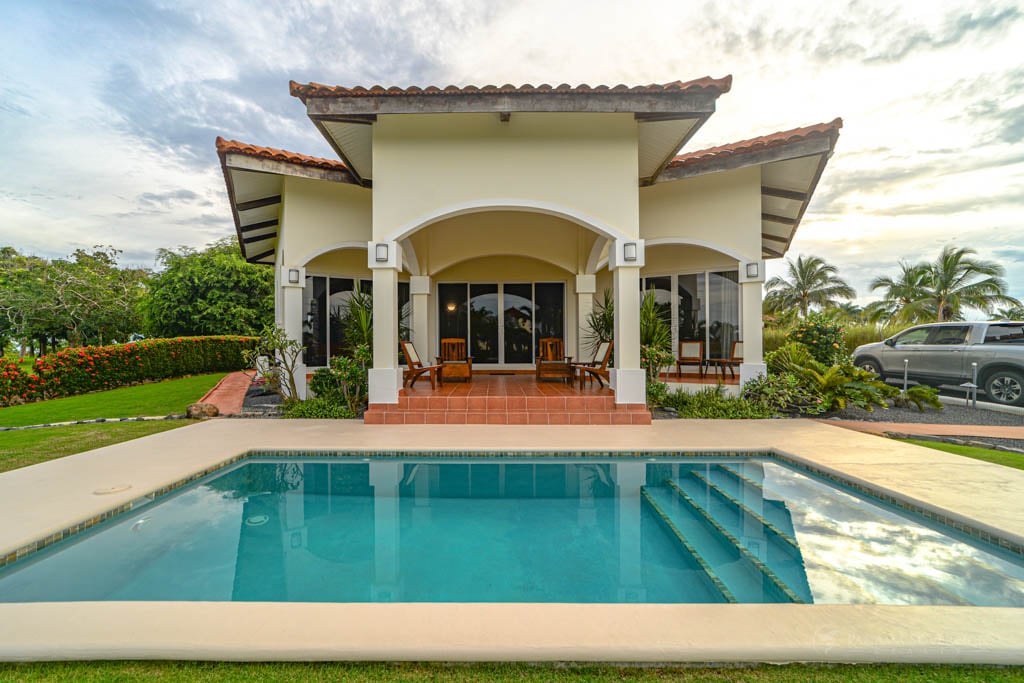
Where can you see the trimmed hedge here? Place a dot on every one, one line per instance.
(95, 368)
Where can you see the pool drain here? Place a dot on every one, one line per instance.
(257, 520)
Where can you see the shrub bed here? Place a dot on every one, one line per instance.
(95, 368)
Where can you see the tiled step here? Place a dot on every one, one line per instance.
(394, 414)
(512, 404)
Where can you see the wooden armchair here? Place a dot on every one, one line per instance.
(730, 363)
(598, 367)
(453, 359)
(690, 353)
(552, 363)
(416, 368)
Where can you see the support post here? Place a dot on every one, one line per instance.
(419, 292)
(292, 281)
(586, 285)
(384, 259)
(751, 281)
(629, 379)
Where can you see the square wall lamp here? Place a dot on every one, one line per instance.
(752, 270)
(629, 251)
(293, 276)
(381, 252)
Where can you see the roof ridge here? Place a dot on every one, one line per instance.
(225, 146)
(314, 89)
(761, 142)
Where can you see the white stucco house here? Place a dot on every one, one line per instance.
(484, 212)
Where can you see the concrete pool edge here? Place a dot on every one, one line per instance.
(511, 632)
(974, 490)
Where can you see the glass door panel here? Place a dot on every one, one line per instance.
(483, 322)
(549, 300)
(314, 323)
(518, 323)
(451, 310)
(340, 295)
(723, 313)
(690, 291)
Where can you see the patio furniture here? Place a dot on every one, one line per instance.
(598, 367)
(690, 353)
(454, 362)
(730, 363)
(552, 363)
(416, 368)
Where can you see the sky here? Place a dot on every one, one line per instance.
(109, 110)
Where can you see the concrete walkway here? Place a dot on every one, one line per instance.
(229, 394)
(881, 428)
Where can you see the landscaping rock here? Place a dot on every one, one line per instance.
(202, 410)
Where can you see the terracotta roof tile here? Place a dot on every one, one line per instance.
(235, 147)
(757, 144)
(308, 90)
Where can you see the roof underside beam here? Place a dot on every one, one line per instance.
(259, 203)
(818, 145)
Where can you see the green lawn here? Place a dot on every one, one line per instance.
(986, 454)
(25, 447)
(159, 398)
(89, 672)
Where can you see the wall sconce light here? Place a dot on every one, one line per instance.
(293, 276)
(450, 307)
(629, 251)
(381, 253)
(752, 270)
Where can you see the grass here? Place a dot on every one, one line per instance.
(26, 447)
(89, 672)
(158, 398)
(986, 454)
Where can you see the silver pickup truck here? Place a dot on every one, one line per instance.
(942, 353)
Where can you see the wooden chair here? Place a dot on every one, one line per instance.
(416, 368)
(453, 359)
(690, 353)
(597, 368)
(730, 363)
(552, 363)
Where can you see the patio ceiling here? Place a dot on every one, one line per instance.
(255, 176)
(791, 164)
(667, 114)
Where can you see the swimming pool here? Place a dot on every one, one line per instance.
(573, 530)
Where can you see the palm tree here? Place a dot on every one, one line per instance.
(953, 284)
(811, 282)
(904, 298)
(1010, 313)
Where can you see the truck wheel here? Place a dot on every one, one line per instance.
(1006, 387)
(869, 365)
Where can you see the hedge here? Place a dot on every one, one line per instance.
(94, 368)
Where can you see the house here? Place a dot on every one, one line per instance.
(500, 214)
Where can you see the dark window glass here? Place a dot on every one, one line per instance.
(451, 310)
(1005, 334)
(914, 337)
(949, 335)
(723, 313)
(690, 291)
(662, 288)
(483, 323)
(314, 328)
(340, 294)
(518, 323)
(404, 313)
(549, 301)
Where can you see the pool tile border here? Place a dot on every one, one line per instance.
(799, 463)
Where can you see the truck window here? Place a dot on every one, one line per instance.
(1005, 334)
(949, 334)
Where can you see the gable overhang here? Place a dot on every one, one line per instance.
(254, 177)
(667, 115)
(791, 164)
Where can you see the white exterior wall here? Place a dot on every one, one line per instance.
(317, 216)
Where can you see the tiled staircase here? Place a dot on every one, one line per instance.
(511, 409)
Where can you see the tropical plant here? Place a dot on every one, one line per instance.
(838, 386)
(357, 323)
(214, 291)
(713, 404)
(1010, 313)
(282, 354)
(351, 374)
(903, 299)
(822, 336)
(317, 409)
(655, 337)
(783, 393)
(956, 280)
(811, 282)
(919, 395)
(601, 322)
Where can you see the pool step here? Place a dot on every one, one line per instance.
(740, 486)
(778, 533)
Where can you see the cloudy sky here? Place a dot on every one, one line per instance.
(109, 110)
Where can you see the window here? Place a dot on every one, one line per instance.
(914, 337)
(325, 305)
(705, 307)
(949, 335)
(1005, 334)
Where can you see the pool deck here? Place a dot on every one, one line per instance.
(44, 499)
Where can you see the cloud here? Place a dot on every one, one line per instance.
(173, 197)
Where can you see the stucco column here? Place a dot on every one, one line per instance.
(751, 281)
(628, 376)
(385, 378)
(419, 292)
(586, 285)
(292, 281)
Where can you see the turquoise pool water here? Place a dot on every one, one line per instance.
(663, 530)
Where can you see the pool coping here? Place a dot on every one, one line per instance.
(216, 630)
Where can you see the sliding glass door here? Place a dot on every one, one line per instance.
(501, 321)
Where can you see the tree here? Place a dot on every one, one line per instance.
(214, 291)
(812, 282)
(953, 284)
(903, 300)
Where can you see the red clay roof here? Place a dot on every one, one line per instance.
(758, 144)
(235, 147)
(303, 91)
